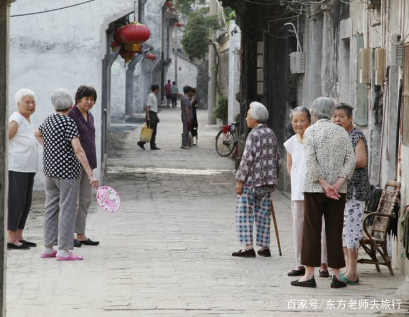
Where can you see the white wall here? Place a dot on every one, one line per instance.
(63, 48)
(234, 71)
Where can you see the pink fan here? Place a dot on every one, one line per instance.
(108, 199)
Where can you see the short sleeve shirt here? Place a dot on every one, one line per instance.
(22, 149)
(152, 102)
(59, 157)
(298, 167)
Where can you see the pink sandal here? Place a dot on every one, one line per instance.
(70, 257)
(48, 255)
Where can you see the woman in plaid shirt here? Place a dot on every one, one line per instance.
(256, 179)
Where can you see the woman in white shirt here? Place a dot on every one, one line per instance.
(300, 120)
(22, 160)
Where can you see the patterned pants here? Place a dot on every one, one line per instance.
(353, 215)
(61, 197)
(185, 134)
(254, 205)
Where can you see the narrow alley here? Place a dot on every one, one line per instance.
(167, 252)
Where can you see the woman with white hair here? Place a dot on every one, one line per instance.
(256, 178)
(22, 161)
(330, 162)
(63, 156)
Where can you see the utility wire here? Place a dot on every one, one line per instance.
(46, 11)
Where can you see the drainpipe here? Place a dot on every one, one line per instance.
(211, 97)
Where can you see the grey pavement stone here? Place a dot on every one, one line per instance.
(167, 252)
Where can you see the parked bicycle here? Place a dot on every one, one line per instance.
(226, 139)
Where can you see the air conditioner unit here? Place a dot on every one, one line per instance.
(395, 52)
(380, 65)
(297, 63)
(364, 65)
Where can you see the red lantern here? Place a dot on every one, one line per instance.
(126, 55)
(117, 36)
(179, 24)
(114, 46)
(150, 56)
(134, 33)
(169, 4)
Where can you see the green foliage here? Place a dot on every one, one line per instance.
(222, 107)
(195, 40)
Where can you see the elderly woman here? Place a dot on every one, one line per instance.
(330, 162)
(85, 98)
(357, 193)
(22, 160)
(63, 156)
(256, 179)
(300, 120)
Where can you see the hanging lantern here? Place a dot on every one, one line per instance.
(134, 33)
(126, 55)
(136, 48)
(114, 46)
(169, 4)
(150, 56)
(117, 36)
(179, 24)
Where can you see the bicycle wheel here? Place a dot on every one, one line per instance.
(225, 143)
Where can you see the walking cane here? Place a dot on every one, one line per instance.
(275, 226)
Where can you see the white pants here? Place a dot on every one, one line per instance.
(297, 211)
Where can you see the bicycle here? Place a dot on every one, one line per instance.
(226, 139)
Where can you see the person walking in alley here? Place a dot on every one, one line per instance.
(62, 158)
(174, 91)
(300, 119)
(256, 178)
(22, 164)
(85, 99)
(167, 93)
(152, 118)
(358, 192)
(186, 115)
(330, 162)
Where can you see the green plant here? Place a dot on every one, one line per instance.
(195, 40)
(222, 107)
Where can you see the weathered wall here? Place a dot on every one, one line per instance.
(60, 49)
(234, 70)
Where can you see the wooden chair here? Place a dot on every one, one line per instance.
(376, 226)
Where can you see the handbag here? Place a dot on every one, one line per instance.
(146, 133)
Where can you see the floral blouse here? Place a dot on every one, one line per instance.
(328, 154)
(360, 179)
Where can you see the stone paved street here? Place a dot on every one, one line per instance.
(167, 252)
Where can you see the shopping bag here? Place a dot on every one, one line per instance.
(146, 133)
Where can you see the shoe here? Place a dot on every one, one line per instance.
(307, 283)
(70, 257)
(344, 279)
(155, 148)
(48, 255)
(336, 283)
(266, 253)
(185, 147)
(141, 145)
(89, 242)
(324, 274)
(77, 244)
(299, 272)
(12, 246)
(30, 244)
(245, 254)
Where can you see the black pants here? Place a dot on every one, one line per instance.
(153, 124)
(174, 100)
(19, 199)
(316, 205)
